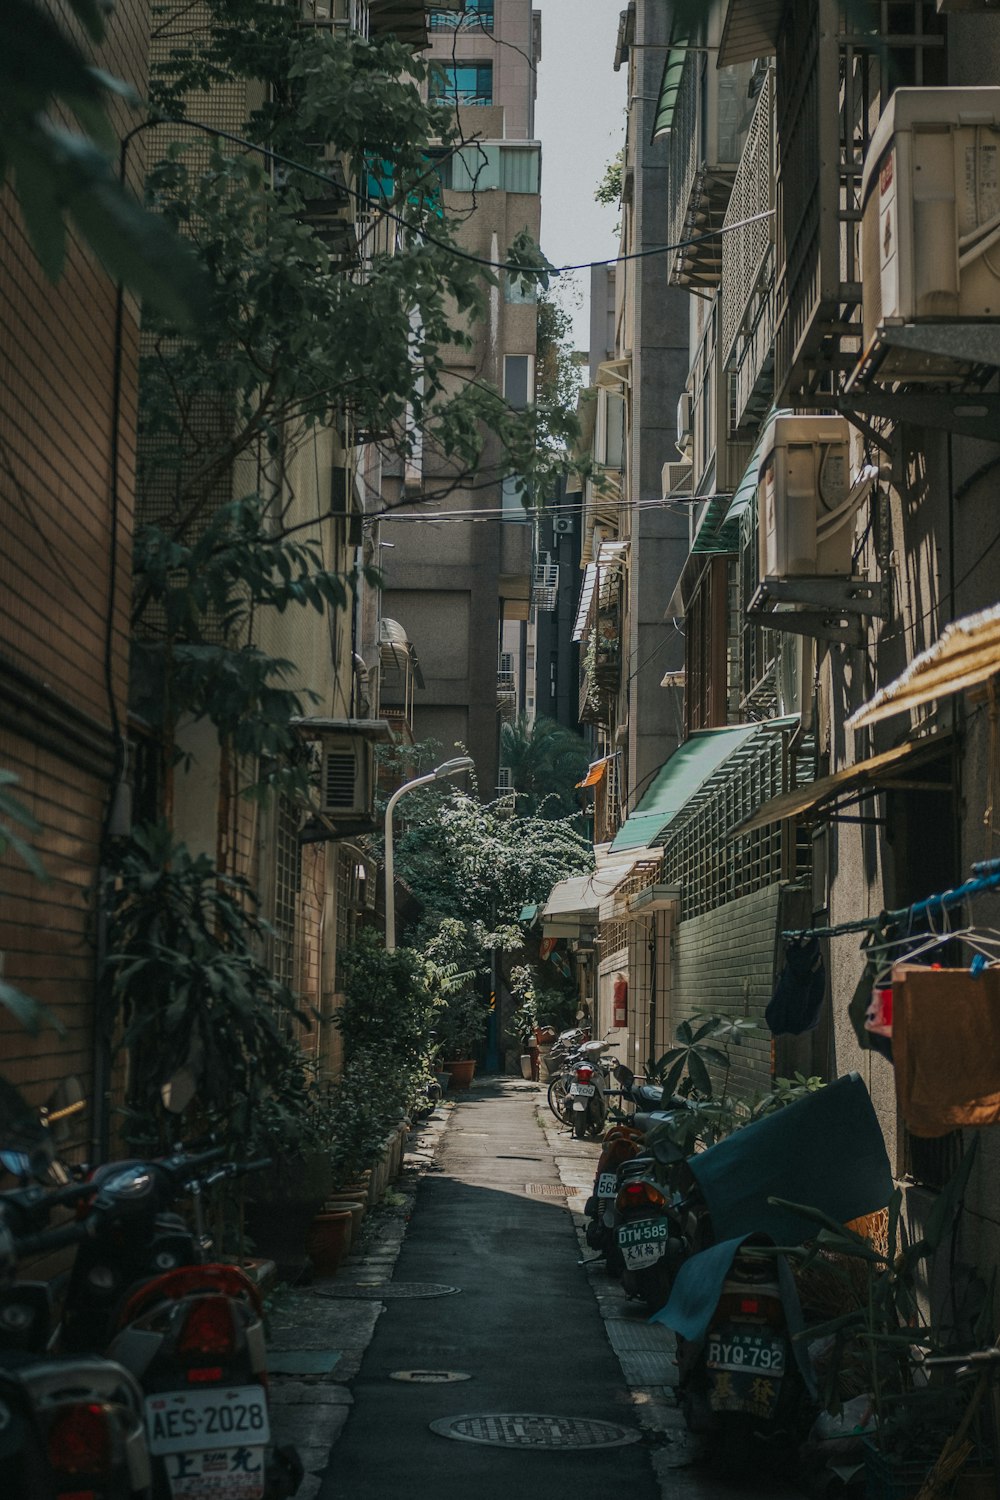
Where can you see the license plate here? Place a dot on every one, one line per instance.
(186, 1422)
(742, 1351)
(637, 1256)
(646, 1232)
(216, 1474)
(606, 1185)
(582, 1090)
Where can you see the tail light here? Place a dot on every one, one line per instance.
(750, 1307)
(584, 1074)
(208, 1329)
(639, 1195)
(80, 1441)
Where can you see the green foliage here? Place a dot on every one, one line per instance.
(545, 761)
(689, 1059)
(203, 1017)
(609, 189)
(58, 172)
(557, 370)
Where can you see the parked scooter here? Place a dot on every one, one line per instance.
(190, 1332)
(588, 1089)
(70, 1425)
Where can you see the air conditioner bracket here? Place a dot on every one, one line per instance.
(833, 607)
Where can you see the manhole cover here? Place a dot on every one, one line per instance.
(429, 1377)
(533, 1430)
(388, 1291)
(548, 1189)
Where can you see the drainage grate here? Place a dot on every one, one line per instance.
(388, 1291)
(429, 1377)
(534, 1430)
(549, 1190)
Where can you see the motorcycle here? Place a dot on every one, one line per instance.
(188, 1330)
(587, 1091)
(70, 1425)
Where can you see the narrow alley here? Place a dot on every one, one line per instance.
(487, 1309)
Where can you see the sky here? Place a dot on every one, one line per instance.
(580, 121)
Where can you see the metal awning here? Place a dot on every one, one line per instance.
(967, 653)
(750, 30)
(576, 900)
(876, 771)
(315, 726)
(676, 782)
(595, 773)
(586, 599)
(747, 487)
(670, 83)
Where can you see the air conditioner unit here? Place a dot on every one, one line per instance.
(930, 197)
(803, 477)
(675, 481)
(685, 434)
(562, 525)
(346, 777)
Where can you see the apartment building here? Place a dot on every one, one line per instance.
(459, 561)
(831, 204)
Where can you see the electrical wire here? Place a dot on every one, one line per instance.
(520, 268)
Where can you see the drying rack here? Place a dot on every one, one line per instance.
(985, 877)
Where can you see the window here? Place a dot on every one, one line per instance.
(463, 82)
(517, 382)
(517, 290)
(477, 14)
(513, 496)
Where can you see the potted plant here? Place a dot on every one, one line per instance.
(461, 1030)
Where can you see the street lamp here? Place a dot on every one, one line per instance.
(447, 768)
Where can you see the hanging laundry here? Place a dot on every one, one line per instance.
(946, 1047)
(861, 1004)
(797, 1002)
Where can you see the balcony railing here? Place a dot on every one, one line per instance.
(746, 342)
(478, 16)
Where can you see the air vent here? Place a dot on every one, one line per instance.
(345, 783)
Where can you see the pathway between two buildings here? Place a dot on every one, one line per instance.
(494, 1220)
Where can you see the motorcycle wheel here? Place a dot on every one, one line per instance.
(731, 1445)
(579, 1125)
(558, 1097)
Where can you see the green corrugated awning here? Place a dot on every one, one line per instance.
(747, 487)
(714, 533)
(673, 70)
(676, 782)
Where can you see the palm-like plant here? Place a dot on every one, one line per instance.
(545, 761)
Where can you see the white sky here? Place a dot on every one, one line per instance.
(580, 121)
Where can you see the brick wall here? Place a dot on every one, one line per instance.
(724, 964)
(63, 605)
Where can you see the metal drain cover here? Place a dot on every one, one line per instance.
(388, 1291)
(549, 1190)
(534, 1430)
(429, 1377)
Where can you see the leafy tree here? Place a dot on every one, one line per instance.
(59, 172)
(609, 189)
(545, 761)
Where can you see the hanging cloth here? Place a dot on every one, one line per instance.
(797, 1002)
(946, 1047)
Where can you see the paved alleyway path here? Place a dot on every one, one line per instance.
(524, 1325)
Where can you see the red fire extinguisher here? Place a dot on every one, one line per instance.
(620, 1002)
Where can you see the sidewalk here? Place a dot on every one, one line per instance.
(318, 1336)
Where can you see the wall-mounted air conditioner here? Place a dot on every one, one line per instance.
(803, 486)
(930, 193)
(346, 779)
(675, 481)
(562, 525)
(685, 431)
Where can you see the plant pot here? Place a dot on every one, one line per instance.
(444, 1079)
(526, 1065)
(280, 1205)
(329, 1240)
(339, 1203)
(462, 1071)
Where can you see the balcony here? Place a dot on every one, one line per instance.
(545, 585)
(707, 112)
(746, 335)
(468, 15)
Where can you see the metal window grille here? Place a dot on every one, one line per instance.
(699, 854)
(477, 14)
(545, 586)
(287, 884)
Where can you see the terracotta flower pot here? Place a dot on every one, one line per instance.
(338, 1202)
(461, 1072)
(329, 1240)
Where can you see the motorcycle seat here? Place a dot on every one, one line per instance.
(647, 1096)
(646, 1120)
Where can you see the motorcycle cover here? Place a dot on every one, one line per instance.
(826, 1151)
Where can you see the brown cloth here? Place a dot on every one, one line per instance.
(946, 1048)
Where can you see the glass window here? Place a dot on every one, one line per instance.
(477, 13)
(517, 380)
(515, 289)
(463, 82)
(514, 497)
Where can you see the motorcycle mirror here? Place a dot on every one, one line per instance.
(22, 1132)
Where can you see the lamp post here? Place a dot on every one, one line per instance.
(447, 768)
